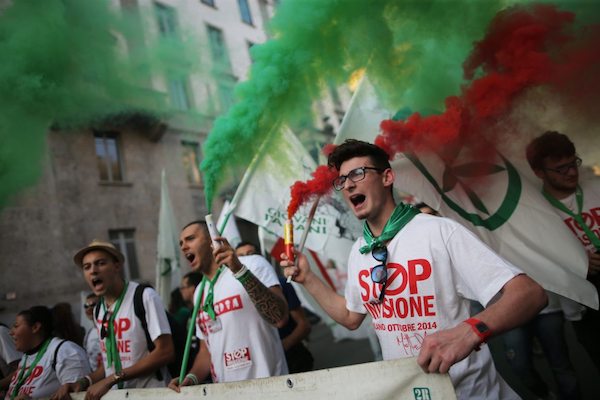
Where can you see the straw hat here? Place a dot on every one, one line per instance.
(98, 245)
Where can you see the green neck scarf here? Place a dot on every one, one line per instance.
(208, 306)
(401, 216)
(24, 375)
(112, 349)
(577, 216)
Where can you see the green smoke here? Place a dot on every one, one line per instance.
(64, 64)
(413, 52)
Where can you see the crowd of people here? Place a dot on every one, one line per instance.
(418, 275)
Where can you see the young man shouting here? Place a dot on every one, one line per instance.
(241, 307)
(415, 274)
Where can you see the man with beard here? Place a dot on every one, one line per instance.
(241, 307)
(415, 274)
(553, 159)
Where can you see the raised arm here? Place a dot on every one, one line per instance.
(331, 302)
(269, 302)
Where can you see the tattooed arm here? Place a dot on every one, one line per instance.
(269, 302)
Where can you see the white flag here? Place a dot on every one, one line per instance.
(168, 273)
(227, 226)
(264, 194)
(520, 225)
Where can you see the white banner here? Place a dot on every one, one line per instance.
(508, 213)
(396, 379)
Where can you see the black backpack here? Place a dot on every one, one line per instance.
(178, 333)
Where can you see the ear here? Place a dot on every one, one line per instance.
(388, 177)
(36, 327)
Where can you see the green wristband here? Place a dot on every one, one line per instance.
(192, 377)
(245, 277)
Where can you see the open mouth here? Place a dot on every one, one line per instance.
(357, 199)
(96, 282)
(190, 257)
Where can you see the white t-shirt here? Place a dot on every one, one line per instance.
(92, 347)
(590, 212)
(8, 353)
(591, 216)
(435, 266)
(44, 381)
(241, 343)
(131, 339)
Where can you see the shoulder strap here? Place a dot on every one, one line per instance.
(55, 359)
(140, 313)
(97, 310)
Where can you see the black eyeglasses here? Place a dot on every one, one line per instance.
(91, 305)
(565, 168)
(379, 272)
(357, 174)
(105, 322)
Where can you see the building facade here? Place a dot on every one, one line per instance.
(104, 182)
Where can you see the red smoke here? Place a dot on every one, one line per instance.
(318, 186)
(525, 47)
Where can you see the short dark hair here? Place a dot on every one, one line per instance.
(352, 148)
(550, 144)
(41, 314)
(197, 222)
(246, 244)
(193, 278)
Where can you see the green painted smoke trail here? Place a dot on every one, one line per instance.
(413, 51)
(61, 66)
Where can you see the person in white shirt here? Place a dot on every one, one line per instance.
(126, 360)
(48, 363)
(242, 306)
(91, 341)
(415, 274)
(9, 358)
(553, 158)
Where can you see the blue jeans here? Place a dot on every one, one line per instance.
(549, 329)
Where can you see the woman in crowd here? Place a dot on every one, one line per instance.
(48, 362)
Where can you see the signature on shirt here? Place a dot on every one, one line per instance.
(411, 342)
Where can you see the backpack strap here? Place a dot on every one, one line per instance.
(55, 359)
(97, 309)
(140, 313)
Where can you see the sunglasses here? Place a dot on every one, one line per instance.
(105, 322)
(91, 305)
(379, 272)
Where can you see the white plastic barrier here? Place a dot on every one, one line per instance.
(396, 379)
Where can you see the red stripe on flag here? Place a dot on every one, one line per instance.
(278, 248)
(322, 269)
